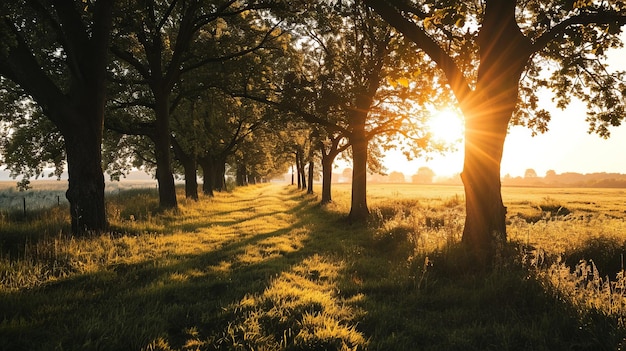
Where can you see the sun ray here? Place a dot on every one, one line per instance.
(447, 126)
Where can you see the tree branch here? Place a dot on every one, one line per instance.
(581, 19)
(231, 56)
(133, 61)
(392, 15)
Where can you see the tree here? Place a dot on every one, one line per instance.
(56, 52)
(530, 173)
(354, 80)
(424, 175)
(484, 49)
(346, 173)
(396, 177)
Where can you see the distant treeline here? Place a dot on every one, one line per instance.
(570, 179)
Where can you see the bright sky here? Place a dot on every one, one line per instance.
(566, 147)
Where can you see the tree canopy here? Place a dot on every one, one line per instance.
(178, 87)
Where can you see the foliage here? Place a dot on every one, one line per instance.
(29, 141)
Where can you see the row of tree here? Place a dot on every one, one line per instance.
(568, 179)
(255, 84)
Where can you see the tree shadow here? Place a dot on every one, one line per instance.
(130, 305)
(229, 297)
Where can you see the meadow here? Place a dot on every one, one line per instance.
(265, 267)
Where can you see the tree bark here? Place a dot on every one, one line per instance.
(311, 173)
(190, 166)
(242, 174)
(298, 169)
(85, 177)
(191, 179)
(327, 177)
(359, 210)
(485, 227)
(301, 171)
(208, 175)
(220, 174)
(162, 143)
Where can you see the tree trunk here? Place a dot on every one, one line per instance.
(301, 172)
(504, 53)
(165, 177)
(298, 177)
(359, 210)
(85, 177)
(208, 175)
(242, 174)
(220, 175)
(191, 179)
(485, 227)
(190, 166)
(311, 173)
(327, 175)
(78, 112)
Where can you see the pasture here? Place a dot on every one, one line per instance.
(266, 268)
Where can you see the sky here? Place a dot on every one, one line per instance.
(566, 147)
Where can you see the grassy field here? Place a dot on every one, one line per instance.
(266, 268)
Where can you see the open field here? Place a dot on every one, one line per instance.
(266, 268)
(47, 193)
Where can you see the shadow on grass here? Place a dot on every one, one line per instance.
(240, 295)
(129, 306)
(440, 304)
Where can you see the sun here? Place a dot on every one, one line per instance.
(447, 126)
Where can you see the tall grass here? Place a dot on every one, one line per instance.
(266, 268)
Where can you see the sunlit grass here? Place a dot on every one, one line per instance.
(266, 268)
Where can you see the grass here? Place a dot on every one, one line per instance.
(266, 268)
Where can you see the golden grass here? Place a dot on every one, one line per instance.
(264, 267)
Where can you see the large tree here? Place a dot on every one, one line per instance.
(57, 52)
(353, 77)
(492, 53)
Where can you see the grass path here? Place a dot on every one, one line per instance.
(221, 262)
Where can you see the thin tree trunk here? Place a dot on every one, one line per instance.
(327, 175)
(242, 174)
(165, 177)
(208, 175)
(298, 168)
(311, 173)
(359, 210)
(301, 172)
(220, 174)
(190, 166)
(191, 179)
